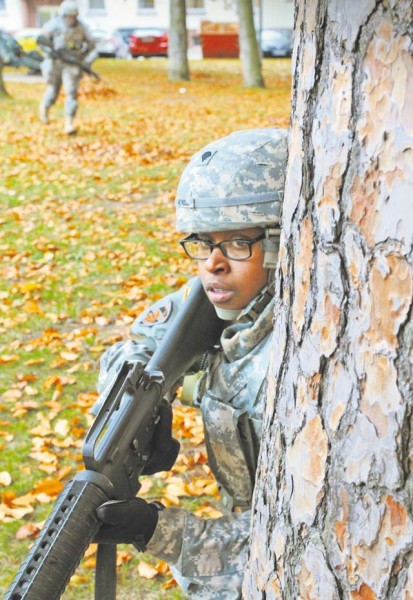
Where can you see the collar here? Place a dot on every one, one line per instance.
(258, 304)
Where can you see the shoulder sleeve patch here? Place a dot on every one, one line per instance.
(186, 293)
(157, 314)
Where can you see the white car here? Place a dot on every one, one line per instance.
(110, 44)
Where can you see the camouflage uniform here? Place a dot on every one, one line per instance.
(208, 557)
(76, 40)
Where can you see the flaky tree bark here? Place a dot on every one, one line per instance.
(249, 49)
(178, 69)
(333, 502)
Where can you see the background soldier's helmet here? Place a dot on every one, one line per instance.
(234, 183)
(68, 9)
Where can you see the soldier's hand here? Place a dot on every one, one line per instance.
(165, 448)
(43, 40)
(131, 521)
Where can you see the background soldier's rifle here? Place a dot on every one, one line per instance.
(115, 451)
(65, 56)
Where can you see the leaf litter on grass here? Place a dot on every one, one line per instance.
(87, 242)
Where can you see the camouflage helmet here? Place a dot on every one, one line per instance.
(68, 9)
(234, 183)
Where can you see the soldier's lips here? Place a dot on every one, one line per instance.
(218, 293)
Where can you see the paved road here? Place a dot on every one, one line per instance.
(194, 53)
(22, 77)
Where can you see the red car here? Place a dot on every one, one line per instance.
(148, 41)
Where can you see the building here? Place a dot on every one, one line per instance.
(109, 14)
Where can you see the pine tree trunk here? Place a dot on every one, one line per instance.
(178, 69)
(334, 495)
(249, 49)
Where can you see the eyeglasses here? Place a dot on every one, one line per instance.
(233, 249)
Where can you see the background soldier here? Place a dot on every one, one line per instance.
(60, 35)
(229, 201)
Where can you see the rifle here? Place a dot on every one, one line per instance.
(65, 56)
(115, 451)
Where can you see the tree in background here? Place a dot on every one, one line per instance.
(249, 49)
(178, 69)
(3, 91)
(333, 501)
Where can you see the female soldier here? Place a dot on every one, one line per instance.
(228, 201)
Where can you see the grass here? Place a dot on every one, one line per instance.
(87, 242)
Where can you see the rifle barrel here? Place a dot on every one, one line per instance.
(64, 539)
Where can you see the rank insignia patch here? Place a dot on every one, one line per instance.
(158, 314)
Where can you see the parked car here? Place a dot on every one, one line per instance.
(27, 39)
(276, 42)
(110, 44)
(125, 32)
(148, 41)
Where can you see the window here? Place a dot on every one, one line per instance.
(96, 4)
(145, 4)
(195, 4)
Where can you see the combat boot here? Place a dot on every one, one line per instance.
(44, 113)
(70, 128)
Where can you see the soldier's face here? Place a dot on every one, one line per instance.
(70, 20)
(232, 284)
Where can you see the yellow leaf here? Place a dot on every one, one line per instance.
(122, 557)
(92, 549)
(28, 530)
(30, 390)
(7, 436)
(76, 579)
(207, 512)
(5, 478)
(13, 394)
(34, 361)
(145, 487)
(8, 358)
(49, 469)
(19, 513)
(70, 356)
(176, 489)
(169, 584)
(23, 501)
(32, 307)
(90, 563)
(43, 428)
(146, 570)
(51, 487)
(62, 427)
(44, 457)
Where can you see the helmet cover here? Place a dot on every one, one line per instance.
(236, 182)
(68, 9)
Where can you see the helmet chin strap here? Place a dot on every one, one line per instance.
(271, 246)
(253, 309)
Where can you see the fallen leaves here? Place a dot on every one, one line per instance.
(5, 359)
(197, 486)
(146, 570)
(87, 243)
(5, 478)
(28, 531)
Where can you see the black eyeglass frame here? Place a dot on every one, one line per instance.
(194, 238)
